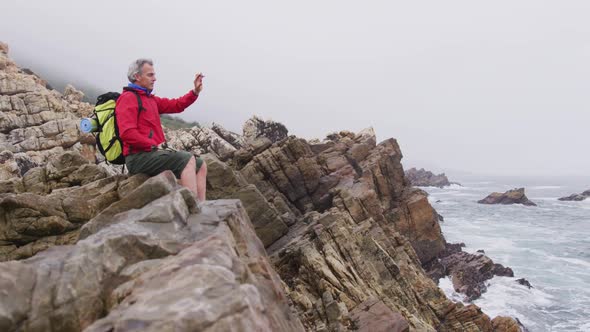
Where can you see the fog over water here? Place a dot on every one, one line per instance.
(497, 87)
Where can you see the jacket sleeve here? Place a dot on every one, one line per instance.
(177, 105)
(127, 111)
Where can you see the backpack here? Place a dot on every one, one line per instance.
(107, 136)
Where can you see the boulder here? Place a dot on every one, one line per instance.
(183, 272)
(269, 223)
(576, 197)
(32, 222)
(507, 324)
(374, 315)
(424, 178)
(468, 272)
(524, 282)
(513, 196)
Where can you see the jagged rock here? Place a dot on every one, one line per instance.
(201, 140)
(205, 271)
(513, 196)
(506, 324)
(576, 197)
(32, 221)
(232, 138)
(350, 172)
(71, 94)
(37, 78)
(356, 262)
(226, 183)
(468, 272)
(418, 223)
(424, 178)
(148, 192)
(468, 318)
(34, 120)
(374, 315)
(524, 282)
(61, 171)
(256, 127)
(15, 164)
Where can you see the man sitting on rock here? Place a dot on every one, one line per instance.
(144, 144)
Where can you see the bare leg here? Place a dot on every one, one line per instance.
(202, 182)
(188, 177)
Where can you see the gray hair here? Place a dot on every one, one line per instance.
(135, 68)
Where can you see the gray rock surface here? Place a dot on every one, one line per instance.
(181, 272)
(576, 197)
(36, 122)
(424, 178)
(513, 196)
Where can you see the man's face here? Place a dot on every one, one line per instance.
(147, 77)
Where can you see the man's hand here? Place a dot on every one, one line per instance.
(198, 83)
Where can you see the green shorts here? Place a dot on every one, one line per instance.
(155, 162)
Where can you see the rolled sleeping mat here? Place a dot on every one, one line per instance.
(88, 125)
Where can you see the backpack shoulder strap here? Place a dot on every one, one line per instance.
(139, 103)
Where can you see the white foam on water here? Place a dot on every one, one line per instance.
(575, 261)
(444, 202)
(548, 245)
(446, 284)
(456, 186)
(505, 297)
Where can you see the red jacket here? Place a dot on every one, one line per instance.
(141, 134)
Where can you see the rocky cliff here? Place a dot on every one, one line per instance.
(318, 236)
(423, 178)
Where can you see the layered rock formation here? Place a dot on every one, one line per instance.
(36, 123)
(345, 232)
(576, 197)
(153, 264)
(468, 272)
(513, 196)
(48, 206)
(424, 178)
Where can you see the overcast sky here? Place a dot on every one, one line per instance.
(498, 87)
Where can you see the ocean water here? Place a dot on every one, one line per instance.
(549, 245)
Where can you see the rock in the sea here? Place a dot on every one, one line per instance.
(576, 197)
(513, 196)
(468, 272)
(424, 178)
(524, 282)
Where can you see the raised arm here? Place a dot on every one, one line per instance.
(178, 105)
